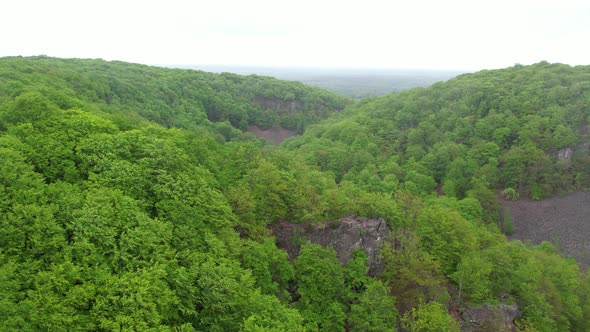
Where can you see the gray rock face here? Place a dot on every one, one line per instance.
(565, 154)
(344, 235)
(279, 104)
(490, 318)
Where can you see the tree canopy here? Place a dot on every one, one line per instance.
(131, 199)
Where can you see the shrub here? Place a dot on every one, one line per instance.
(510, 194)
(507, 225)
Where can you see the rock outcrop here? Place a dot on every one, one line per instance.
(496, 318)
(565, 154)
(344, 235)
(279, 104)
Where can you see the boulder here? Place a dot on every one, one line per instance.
(497, 318)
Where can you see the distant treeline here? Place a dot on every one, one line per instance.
(357, 84)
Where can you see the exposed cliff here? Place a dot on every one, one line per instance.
(279, 104)
(344, 235)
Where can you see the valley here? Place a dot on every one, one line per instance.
(140, 198)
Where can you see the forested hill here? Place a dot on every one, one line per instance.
(489, 130)
(122, 207)
(171, 97)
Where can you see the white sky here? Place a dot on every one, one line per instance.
(417, 34)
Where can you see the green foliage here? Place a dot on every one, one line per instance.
(320, 285)
(510, 194)
(375, 310)
(268, 187)
(430, 317)
(411, 274)
(123, 207)
(473, 278)
(419, 183)
(271, 316)
(446, 236)
(270, 267)
(549, 290)
(355, 274)
(507, 225)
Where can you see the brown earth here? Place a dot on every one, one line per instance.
(563, 221)
(274, 135)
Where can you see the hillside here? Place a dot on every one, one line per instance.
(501, 128)
(124, 205)
(172, 98)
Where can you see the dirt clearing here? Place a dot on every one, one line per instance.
(275, 135)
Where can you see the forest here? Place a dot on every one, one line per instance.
(131, 199)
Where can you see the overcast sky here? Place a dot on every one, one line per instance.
(422, 34)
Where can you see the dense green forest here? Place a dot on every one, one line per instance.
(172, 98)
(130, 199)
(494, 128)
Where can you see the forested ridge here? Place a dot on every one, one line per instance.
(170, 97)
(130, 199)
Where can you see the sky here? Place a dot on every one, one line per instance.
(372, 34)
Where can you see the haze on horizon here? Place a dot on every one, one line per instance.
(425, 34)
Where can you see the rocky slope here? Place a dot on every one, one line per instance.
(563, 221)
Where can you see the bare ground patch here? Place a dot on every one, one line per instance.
(563, 221)
(275, 135)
